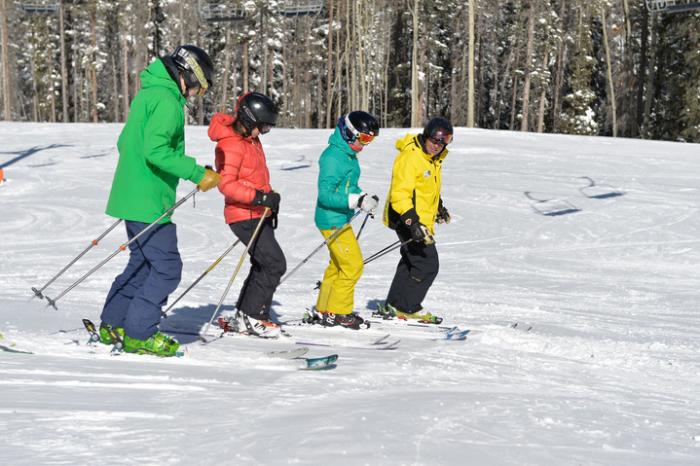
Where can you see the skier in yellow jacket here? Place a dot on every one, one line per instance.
(413, 207)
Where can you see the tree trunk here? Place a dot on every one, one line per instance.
(5, 49)
(76, 78)
(64, 68)
(93, 59)
(224, 80)
(513, 55)
(559, 76)
(329, 66)
(651, 80)
(524, 124)
(387, 60)
(470, 86)
(641, 77)
(115, 88)
(415, 92)
(362, 60)
(608, 61)
(543, 95)
(246, 66)
(513, 103)
(125, 77)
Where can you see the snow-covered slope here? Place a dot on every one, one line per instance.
(608, 375)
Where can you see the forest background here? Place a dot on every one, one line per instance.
(595, 67)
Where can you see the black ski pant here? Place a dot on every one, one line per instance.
(267, 267)
(414, 275)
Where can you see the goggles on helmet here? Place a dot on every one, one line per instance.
(196, 69)
(264, 128)
(441, 138)
(362, 138)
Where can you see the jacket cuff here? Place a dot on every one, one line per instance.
(197, 174)
(410, 217)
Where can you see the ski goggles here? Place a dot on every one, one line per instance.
(364, 138)
(196, 69)
(441, 139)
(264, 128)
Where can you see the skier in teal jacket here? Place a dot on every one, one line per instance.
(338, 198)
(151, 163)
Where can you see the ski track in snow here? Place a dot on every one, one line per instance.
(609, 373)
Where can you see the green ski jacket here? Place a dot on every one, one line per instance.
(151, 147)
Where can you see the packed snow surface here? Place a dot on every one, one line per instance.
(591, 242)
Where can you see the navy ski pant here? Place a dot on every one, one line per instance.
(414, 275)
(152, 273)
(267, 265)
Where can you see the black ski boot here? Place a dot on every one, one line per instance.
(351, 321)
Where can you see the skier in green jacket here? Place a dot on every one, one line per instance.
(151, 163)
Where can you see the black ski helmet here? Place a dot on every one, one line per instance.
(256, 110)
(356, 122)
(439, 128)
(196, 66)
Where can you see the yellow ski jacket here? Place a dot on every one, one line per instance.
(415, 183)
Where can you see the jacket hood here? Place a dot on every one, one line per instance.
(404, 141)
(413, 138)
(220, 127)
(156, 75)
(337, 141)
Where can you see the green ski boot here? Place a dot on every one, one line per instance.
(388, 311)
(385, 311)
(105, 335)
(158, 344)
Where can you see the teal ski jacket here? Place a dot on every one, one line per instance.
(339, 173)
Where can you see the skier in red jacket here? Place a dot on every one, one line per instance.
(245, 184)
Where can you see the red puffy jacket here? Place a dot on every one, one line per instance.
(241, 163)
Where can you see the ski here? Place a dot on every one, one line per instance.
(322, 363)
(288, 354)
(456, 334)
(9, 349)
(407, 323)
(383, 344)
(317, 363)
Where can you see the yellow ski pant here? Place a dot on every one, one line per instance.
(337, 293)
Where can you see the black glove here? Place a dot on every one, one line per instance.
(419, 232)
(270, 199)
(443, 216)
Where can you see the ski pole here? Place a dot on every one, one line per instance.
(392, 247)
(52, 302)
(93, 243)
(235, 272)
(364, 222)
(204, 274)
(328, 240)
